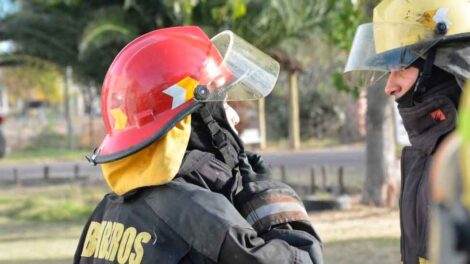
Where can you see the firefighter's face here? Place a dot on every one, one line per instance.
(232, 116)
(401, 81)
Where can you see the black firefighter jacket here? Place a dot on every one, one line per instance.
(189, 220)
(427, 124)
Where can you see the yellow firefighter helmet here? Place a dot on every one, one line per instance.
(403, 31)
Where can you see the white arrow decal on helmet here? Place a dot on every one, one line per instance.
(178, 93)
(441, 16)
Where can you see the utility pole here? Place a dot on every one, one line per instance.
(293, 67)
(68, 118)
(380, 152)
(262, 123)
(294, 123)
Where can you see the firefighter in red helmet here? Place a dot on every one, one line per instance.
(184, 189)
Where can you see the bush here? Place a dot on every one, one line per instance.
(319, 115)
(48, 138)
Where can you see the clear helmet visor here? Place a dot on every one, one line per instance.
(379, 48)
(246, 73)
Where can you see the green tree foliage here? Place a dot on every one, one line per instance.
(340, 27)
(33, 82)
(321, 108)
(341, 24)
(88, 34)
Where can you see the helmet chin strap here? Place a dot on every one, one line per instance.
(423, 81)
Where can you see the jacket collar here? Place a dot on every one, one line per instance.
(429, 122)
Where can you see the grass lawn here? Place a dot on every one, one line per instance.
(38, 242)
(360, 235)
(43, 224)
(45, 155)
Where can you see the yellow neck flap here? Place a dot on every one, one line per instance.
(154, 165)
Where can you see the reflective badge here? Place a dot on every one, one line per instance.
(427, 20)
(432, 17)
(438, 115)
(181, 92)
(441, 16)
(120, 119)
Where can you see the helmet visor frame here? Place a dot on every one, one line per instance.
(372, 55)
(245, 73)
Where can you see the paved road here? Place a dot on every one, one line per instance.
(333, 157)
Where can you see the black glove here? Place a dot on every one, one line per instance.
(253, 168)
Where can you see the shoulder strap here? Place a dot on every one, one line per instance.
(219, 138)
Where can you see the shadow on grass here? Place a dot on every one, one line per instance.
(384, 250)
(45, 261)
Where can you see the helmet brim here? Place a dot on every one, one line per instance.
(122, 144)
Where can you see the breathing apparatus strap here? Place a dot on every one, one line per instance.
(219, 138)
(425, 75)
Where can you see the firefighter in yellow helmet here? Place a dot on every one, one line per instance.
(450, 229)
(422, 47)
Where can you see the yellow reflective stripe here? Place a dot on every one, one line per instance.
(465, 165)
(464, 132)
(423, 261)
(464, 115)
(464, 124)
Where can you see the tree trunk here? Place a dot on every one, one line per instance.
(368, 6)
(380, 146)
(294, 124)
(90, 90)
(68, 118)
(5, 109)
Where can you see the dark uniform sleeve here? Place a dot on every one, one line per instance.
(215, 229)
(276, 213)
(243, 245)
(267, 224)
(273, 208)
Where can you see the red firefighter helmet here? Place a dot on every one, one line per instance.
(149, 88)
(152, 84)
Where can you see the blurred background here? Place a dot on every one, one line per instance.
(337, 145)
